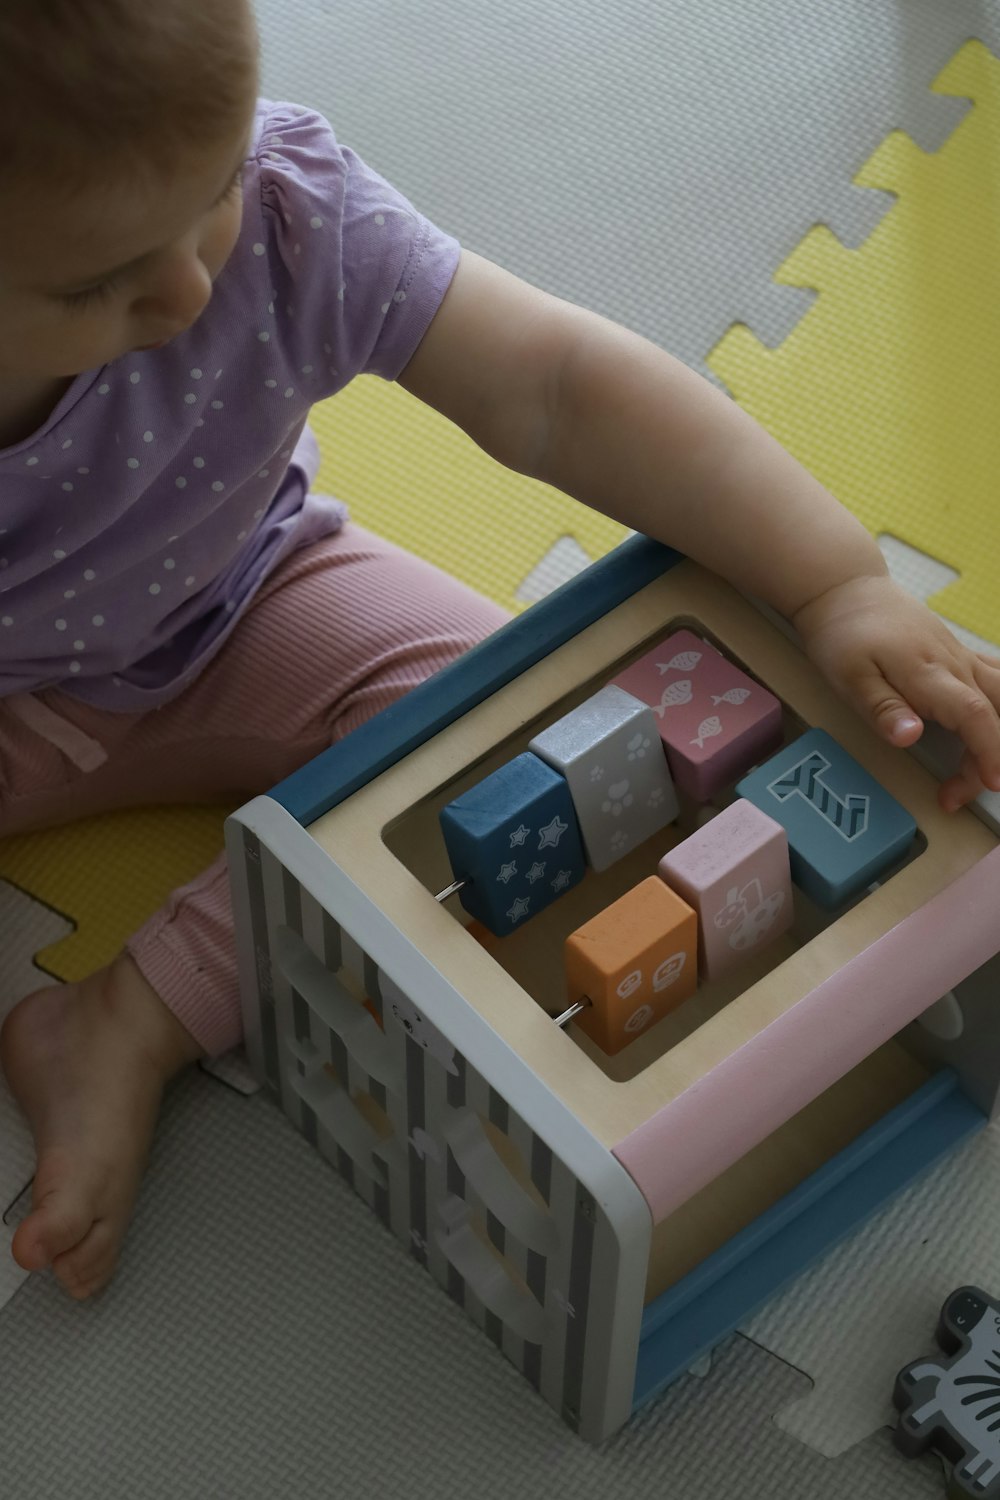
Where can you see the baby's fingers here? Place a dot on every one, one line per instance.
(969, 709)
(961, 788)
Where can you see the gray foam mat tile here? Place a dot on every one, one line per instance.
(564, 559)
(875, 1471)
(871, 1305)
(923, 576)
(654, 162)
(233, 1070)
(265, 1336)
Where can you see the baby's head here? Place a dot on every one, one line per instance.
(124, 125)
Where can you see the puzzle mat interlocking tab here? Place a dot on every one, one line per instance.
(409, 474)
(887, 388)
(871, 1306)
(710, 192)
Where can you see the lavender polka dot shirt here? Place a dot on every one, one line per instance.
(138, 522)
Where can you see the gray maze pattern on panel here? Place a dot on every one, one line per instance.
(439, 1155)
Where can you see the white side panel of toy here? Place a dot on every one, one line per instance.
(243, 859)
(524, 1219)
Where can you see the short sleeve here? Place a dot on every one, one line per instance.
(358, 273)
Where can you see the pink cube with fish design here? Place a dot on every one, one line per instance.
(735, 872)
(715, 721)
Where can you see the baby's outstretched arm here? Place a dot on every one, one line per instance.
(583, 404)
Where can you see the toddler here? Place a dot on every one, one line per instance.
(184, 270)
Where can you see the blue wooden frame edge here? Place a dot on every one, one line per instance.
(350, 764)
(689, 1319)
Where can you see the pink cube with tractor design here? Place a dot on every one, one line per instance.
(735, 873)
(715, 721)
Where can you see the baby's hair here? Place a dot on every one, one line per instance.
(88, 86)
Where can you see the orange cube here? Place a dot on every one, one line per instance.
(635, 961)
(483, 936)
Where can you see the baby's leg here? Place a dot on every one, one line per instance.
(341, 630)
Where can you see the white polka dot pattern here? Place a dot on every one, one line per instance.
(174, 479)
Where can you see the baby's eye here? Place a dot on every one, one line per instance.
(90, 294)
(232, 189)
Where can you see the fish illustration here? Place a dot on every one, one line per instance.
(684, 661)
(676, 692)
(706, 729)
(734, 695)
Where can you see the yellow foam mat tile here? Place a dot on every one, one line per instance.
(888, 389)
(108, 874)
(410, 475)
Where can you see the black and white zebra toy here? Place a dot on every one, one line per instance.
(953, 1405)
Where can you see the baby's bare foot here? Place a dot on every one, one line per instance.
(88, 1063)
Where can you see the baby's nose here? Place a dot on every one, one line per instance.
(178, 295)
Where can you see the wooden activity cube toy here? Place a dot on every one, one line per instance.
(623, 779)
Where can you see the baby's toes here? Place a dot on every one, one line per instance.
(88, 1268)
(57, 1223)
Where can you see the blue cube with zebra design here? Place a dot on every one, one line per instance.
(844, 829)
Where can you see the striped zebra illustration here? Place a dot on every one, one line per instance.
(847, 816)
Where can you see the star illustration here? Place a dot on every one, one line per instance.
(518, 837)
(507, 872)
(535, 873)
(551, 833)
(562, 880)
(520, 909)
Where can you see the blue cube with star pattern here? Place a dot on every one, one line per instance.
(514, 837)
(844, 829)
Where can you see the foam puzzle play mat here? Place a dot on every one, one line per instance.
(886, 388)
(569, 974)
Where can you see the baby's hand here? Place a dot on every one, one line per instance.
(897, 663)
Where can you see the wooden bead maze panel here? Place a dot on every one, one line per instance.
(388, 838)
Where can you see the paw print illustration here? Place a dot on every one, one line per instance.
(619, 797)
(637, 746)
(618, 842)
(655, 797)
(597, 773)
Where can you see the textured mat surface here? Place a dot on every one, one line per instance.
(312, 1359)
(872, 1306)
(887, 388)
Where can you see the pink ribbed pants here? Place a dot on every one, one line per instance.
(338, 632)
